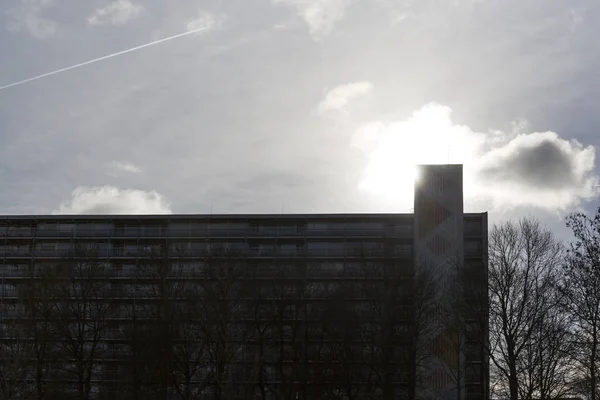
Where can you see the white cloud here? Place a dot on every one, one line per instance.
(337, 99)
(116, 13)
(126, 167)
(205, 19)
(576, 18)
(398, 19)
(503, 170)
(29, 17)
(112, 200)
(320, 15)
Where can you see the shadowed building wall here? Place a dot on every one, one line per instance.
(310, 279)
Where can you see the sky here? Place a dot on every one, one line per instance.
(297, 106)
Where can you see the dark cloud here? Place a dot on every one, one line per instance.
(503, 170)
(545, 165)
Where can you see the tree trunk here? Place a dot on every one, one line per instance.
(39, 378)
(513, 382)
(80, 382)
(594, 350)
(261, 377)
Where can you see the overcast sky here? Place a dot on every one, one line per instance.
(298, 105)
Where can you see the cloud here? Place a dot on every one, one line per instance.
(112, 200)
(502, 169)
(126, 167)
(337, 99)
(576, 16)
(205, 19)
(398, 19)
(28, 17)
(116, 13)
(320, 15)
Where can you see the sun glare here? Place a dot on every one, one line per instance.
(395, 150)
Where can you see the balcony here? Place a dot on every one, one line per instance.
(145, 232)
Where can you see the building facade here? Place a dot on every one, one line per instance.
(327, 306)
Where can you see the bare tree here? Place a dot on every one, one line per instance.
(223, 311)
(341, 344)
(190, 348)
(81, 316)
(159, 291)
(260, 331)
(546, 366)
(399, 309)
(581, 290)
(464, 318)
(15, 355)
(138, 342)
(426, 314)
(161, 326)
(287, 311)
(454, 326)
(523, 260)
(37, 296)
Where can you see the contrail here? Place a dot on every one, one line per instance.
(58, 71)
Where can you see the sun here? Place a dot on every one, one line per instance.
(391, 179)
(394, 152)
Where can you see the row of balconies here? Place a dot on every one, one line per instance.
(401, 231)
(116, 253)
(121, 253)
(135, 273)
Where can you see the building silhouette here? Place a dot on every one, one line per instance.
(302, 306)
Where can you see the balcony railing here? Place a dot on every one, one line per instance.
(208, 232)
(179, 254)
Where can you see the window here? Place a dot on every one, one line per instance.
(132, 231)
(118, 249)
(316, 226)
(179, 248)
(66, 227)
(102, 229)
(325, 248)
(289, 249)
(473, 373)
(8, 290)
(332, 268)
(13, 269)
(130, 249)
(154, 230)
(85, 229)
(268, 229)
(474, 352)
(403, 227)
(178, 228)
(217, 227)
(266, 248)
(238, 226)
(19, 231)
(473, 247)
(46, 247)
(472, 226)
(404, 248)
(315, 289)
(46, 228)
(289, 229)
(365, 226)
(371, 245)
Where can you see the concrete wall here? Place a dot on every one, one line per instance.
(439, 243)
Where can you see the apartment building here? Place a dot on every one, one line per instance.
(302, 306)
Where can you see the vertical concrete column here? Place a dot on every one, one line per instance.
(439, 242)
